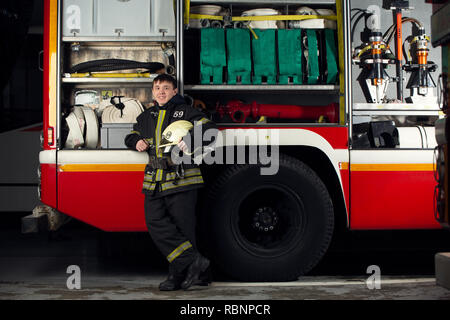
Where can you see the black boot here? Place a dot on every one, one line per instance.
(205, 277)
(195, 269)
(172, 283)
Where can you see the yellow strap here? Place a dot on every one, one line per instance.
(110, 75)
(415, 39)
(205, 16)
(282, 17)
(368, 48)
(364, 50)
(263, 18)
(261, 119)
(187, 11)
(253, 32)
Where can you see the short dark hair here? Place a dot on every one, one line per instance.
(166, 78)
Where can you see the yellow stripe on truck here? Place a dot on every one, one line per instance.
(53, 62)
(391, 167)
(82, 167)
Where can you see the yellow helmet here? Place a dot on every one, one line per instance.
(175, 132)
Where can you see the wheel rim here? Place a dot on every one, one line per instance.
(269, 221)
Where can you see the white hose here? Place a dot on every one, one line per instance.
(75, 120)
(84, 126)
(133, 108)
(314, 23)
(212, 10)
(91, 141)
(269, 24)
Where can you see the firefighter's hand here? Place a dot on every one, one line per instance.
(183, 147)
(141, 145)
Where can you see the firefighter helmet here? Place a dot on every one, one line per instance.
(175, 132)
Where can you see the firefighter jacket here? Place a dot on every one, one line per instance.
(160, 181)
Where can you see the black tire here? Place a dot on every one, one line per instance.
(269, 227)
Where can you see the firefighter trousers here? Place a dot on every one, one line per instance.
(171, 223)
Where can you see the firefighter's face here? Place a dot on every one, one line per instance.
(163, 92)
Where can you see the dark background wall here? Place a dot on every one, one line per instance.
(21, 22)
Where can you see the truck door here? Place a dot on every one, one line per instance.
(391, 189)
(392, 129)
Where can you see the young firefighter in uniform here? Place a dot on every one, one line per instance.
(171, 193)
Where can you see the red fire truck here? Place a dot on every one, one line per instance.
(341, 96)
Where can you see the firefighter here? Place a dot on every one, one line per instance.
(171, 190)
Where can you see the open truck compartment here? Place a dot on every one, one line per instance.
(288, 71)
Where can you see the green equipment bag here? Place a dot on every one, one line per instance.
(212, 55)
(264, 56)
(331, 51)
(239, 55)
(313, 57)
(290, 56)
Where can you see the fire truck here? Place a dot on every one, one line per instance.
(339, 95)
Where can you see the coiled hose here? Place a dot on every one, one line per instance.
(115, 64)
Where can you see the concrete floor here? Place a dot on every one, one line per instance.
(136, 287)
(35, 267)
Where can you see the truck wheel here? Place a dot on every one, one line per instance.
(269, 227)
